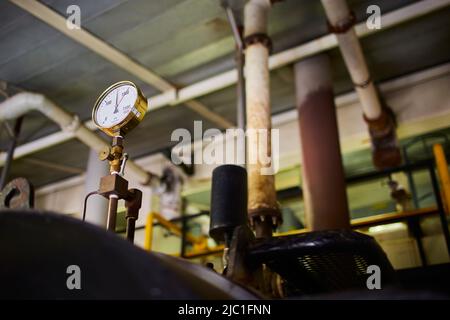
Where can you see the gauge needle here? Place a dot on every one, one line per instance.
(123, 95)
(116, 109)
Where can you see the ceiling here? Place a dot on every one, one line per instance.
(183, 41)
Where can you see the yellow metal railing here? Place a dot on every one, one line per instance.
(148, 239)
(200, 243)
(444, 176)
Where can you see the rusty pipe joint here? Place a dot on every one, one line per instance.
(385, 150)
(262, 38)
(343, 25)
(270, 217)
(256, 17)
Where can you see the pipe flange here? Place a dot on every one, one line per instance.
(385, 150)
(364, 84)
(73, 125)
(261, 214)
(344, 25)
(381, 125)
(258, 38)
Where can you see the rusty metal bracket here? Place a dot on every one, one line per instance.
(258, 38)
(261, 214)
(239, 269)
(17, 194)
(344, 25)
(385, 149)
(113, 184)
(133, 203)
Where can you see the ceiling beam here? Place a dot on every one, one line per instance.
(113, 55)
(53, 166)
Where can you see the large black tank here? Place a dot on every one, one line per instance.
(36, 249)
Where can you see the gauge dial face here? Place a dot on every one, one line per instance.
(116, 105)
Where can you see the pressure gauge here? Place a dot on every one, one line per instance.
(119, 108)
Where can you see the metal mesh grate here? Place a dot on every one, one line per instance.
(323, 261)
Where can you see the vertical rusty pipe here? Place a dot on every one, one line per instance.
(323, 174)
(262, 203)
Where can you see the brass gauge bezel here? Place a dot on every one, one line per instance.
(134, 117)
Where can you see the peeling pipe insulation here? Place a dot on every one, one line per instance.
(385, 150)
(23, 102)
(264, 213)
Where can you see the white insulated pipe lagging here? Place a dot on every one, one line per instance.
(25, 102)
(261, 188)
(338, 13)
(256, 14)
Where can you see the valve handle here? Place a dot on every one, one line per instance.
(105, 154)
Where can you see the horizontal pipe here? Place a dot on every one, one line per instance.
(340, 101)
(24, 102)
(228, 78)
(169, 225)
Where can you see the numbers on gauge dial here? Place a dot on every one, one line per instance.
(115, 106)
